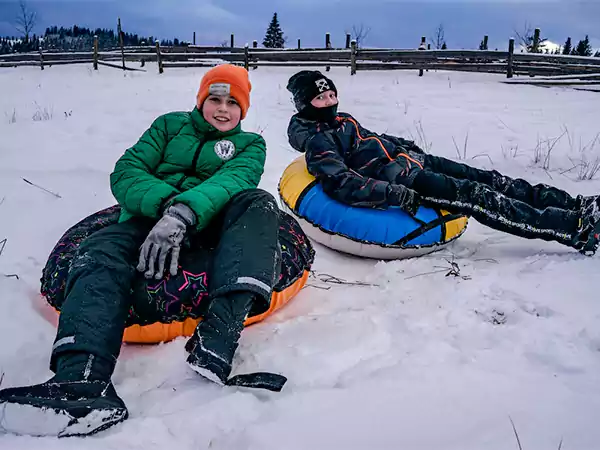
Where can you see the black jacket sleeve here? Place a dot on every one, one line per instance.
(405, 144)
(341, 183)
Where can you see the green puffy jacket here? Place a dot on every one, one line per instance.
(181, 158)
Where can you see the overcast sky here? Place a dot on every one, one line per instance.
(393, 23)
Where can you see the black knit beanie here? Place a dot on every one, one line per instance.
(306, 85)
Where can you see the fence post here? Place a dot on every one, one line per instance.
(246, 57)
(511, 53)
(353, 58)
(347, 40)
(232, 40)
(95, 52)
(299, 47)
(194, 41)
(255, 45)
(422, 46)
(121, 42)
(159, 58)
(41, 57)
(327, 45)
(536, 41)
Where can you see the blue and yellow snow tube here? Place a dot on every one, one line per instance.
(372, 233)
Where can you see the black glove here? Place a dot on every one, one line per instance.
(407, 199)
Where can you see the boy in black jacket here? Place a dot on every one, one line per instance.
(360, 168)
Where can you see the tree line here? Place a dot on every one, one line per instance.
(78, 38)
(527, 40)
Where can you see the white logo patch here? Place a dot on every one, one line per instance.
(322, 85)
(225, 150)
(219, 89)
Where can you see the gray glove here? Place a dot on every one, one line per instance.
(407, 199)
(165, 237)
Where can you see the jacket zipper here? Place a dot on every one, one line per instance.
(193, 168)
(197, 155)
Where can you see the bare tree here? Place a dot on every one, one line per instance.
(526, 38)
(439, 37)
(360, 33)
(25, 20)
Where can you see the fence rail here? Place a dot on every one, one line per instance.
(508, 62)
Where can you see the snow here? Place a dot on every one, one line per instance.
(48, 422)
(551, 46)
(548, 45)
(418, 360)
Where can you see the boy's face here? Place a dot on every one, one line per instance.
(327, 98)
(222, 112)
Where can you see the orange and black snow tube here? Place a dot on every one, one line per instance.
(176, 303)
(163, 332)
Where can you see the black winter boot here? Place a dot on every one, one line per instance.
(79, 400)
(583, 202)
(215, 341)
(588, 238)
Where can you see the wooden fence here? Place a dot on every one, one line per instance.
(485, 61)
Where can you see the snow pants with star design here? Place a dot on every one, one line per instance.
(238, 251)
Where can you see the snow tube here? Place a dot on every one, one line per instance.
(372, 233)
(176, 303)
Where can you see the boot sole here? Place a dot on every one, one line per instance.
(31, 420)
(205, 373)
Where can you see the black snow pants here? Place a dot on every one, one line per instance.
(510, 205)
(239, 249)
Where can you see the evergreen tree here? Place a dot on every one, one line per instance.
(583, 47)
(597, 55)
(568, 47)
(274, 37)
(444, 46)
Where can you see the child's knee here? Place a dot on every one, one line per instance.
(256, 198)
(97, 251)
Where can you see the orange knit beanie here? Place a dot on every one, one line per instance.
(226, 79)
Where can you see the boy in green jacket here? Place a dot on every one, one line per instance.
(190, 173)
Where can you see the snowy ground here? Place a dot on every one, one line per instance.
(419, 361)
